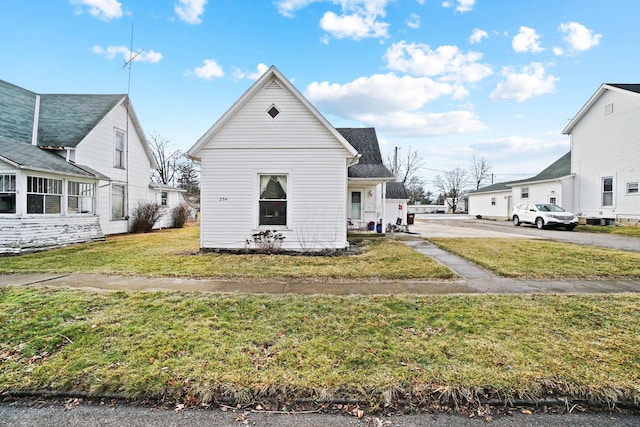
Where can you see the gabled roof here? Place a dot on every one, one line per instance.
(558, 169)
(633, 89)
(365, 141)
(62, 120)
(396, 190)
(30, 157)
(65, 120)
(266, 78)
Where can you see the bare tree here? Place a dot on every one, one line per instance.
(167, 161)
(453, 185)
(415, 187)
(480, 170)
(189, 179)
(404, 166)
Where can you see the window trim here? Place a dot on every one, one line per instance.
(493, 201)
(524, 194)
(91, 195)
(6, 189)
(119, 157)
(286, 201)
(124, 202)
(610, 192)
(46, 189)
(164, 198)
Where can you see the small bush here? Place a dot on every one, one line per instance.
(267, 241)
(144, 217)
(180, 215)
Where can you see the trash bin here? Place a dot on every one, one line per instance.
(410, 217)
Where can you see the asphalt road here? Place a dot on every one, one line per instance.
(463, 223)
(72, 414)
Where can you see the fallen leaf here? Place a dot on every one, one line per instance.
(527, 412)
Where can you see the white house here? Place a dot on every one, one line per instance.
(553, 185)
(72, 168)
(396, 201)
(273, 162)
(600, 176)
(605, 155)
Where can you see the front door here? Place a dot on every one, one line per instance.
(356, 205)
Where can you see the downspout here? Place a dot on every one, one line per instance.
(36, 119)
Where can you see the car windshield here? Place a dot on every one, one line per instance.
(549, 207)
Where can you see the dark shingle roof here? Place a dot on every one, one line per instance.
(65, 120)
(30, 157)
(365, 141)
(626, 86)
(396, 190)
(558, 169)
(17, 107)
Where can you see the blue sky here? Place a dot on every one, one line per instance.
(451, 79)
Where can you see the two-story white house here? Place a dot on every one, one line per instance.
(72, 168)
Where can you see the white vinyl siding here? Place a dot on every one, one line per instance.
(604, 145)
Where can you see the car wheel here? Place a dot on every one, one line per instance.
(540, 223)
(570, 228)
(516, 220)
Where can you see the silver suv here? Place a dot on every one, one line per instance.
(543, 215)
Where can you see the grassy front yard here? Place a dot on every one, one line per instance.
(212, 348)
(174, 253)
(542, 259)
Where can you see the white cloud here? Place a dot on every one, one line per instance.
(527, 40)
(239, 74)
(110, 52)
(463, 5)
(578, 37)
(530, 81)
(353, 26)
(190, 11)
(208, 71)
(101, 9)
(478, 35)
(558, 51)
(413, 21)
(448, 63)
(418, 124)
(288, 7)
(358, 19)
(391, 104)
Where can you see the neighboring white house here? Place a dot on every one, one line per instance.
(598, 179)
(605, 155)
(553, 185)
(273, 162)
(72, 168)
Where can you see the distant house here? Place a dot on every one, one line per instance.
(605, 155)
(273, 162)
(396, 204)
(553, 185)
(598, 179)
(72, 168)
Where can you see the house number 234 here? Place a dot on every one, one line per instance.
(223, 199)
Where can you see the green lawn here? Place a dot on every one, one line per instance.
(212, 348)
(175, 253)
(543, 259)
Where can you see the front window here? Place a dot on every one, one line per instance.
(632, 188)
(607, 191)
(44, 195)
(273, 200)
(524, 193)
(493, 201)
(118, 202)
(119, 144)
(7, 194)
(163, 198)
(80, 197)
